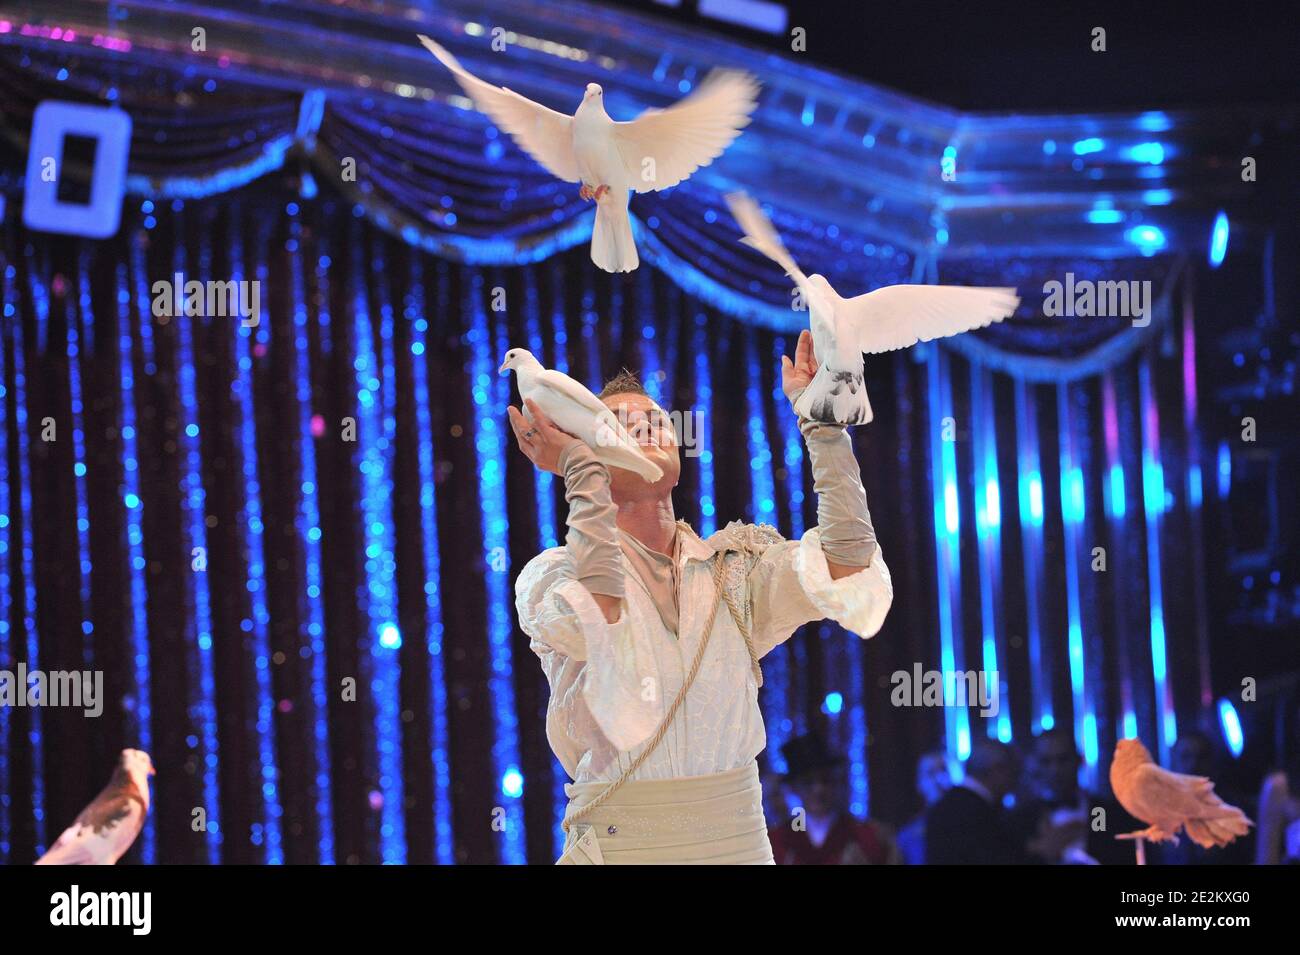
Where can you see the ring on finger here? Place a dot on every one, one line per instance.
(528, 435)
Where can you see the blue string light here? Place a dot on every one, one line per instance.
(309, 532)
(415, 313)
(704, 417)
(491, 395)
(202, 708)
(1153, 499)
(375, 427)
(943, 466)
(6, 597)
(1030, 481)
(41, 302)
(266, 833)
(74, 352)
(1072, 516)
(988, 532)
(141, 725)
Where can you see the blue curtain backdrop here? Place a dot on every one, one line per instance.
(199, 526)
(389, 560)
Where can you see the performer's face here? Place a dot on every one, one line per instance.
(652, 429)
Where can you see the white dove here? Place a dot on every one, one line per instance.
(1169, 801)
(658, 149)
(576, 410)
(107, 827)
(895, 316)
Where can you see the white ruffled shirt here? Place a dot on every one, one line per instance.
(612, 684)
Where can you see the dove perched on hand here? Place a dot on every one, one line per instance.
(1169, 801)
(574, 409)
(658, 149)
(895, 316)
(107, 827)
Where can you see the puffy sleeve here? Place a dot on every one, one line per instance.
(791, 585)
(618, 674)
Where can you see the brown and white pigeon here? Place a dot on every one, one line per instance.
(1169, 801)
(107, 827)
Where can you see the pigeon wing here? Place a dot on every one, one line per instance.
(687, 135)
(567, 389)
(899, 316)
(71, 848)
(760, 234)
(1166, 794)
(543, 133)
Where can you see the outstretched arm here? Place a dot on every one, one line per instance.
(847, 537)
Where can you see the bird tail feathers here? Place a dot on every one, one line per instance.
(612, 246)
(838, 397)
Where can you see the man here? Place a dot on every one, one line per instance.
(968, 825)
(635, 608)
(822, 832)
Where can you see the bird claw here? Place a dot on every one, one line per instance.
(600, 191)
(586, 192)
(1152, 834)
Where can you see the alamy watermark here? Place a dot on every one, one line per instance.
(211, 299)
(82, 689)
(946, 688)
(1085, 298)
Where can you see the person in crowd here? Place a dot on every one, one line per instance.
(933, 779)
(820, 830)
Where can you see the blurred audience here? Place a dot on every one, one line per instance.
(1278, 836)
(1051, 799)
(820, 830)
(933, 779)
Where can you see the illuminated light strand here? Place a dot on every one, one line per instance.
(193, 502)
(590, 334)
(6, 597)
(947, 539)
(444, 843)
(389, 663)
(1030, 480)
(28, 552)
(267, 833)
(133, 502)
(75, 350)
(309, 530)
(703, 416)
(560, 336)
(1113, 495)
(1195, 489)
(1073, 497)
(1153, 500)
(491, 395)
(377, 401)
(776, 665)
(988, 532)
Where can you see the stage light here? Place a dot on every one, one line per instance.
(1231, 724)
(512, 783)
(1219, 240)
(390, 637)
(1225, 470)
(1148, 238)
(1158, 197)
(1090, 145)
(1151, 153)
(1105, 216)
(833, 703)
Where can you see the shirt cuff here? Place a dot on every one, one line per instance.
(858, 602)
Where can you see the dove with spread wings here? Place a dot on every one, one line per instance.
(611, 160)
(896, 316)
